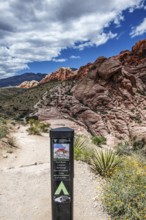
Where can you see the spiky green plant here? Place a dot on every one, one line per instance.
(82, 151)
(104, 162)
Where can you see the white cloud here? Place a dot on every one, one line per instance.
(139, 30)
(59, 60)
(75, 57)
(38, 30)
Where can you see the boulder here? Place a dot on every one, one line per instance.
(109, 68)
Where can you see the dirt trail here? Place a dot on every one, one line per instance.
(25, 182)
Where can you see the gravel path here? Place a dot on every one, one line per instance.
(25, 183)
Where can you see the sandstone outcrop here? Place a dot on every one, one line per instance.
(28, 84)
(134, 57)
(109, 99)
(62, 74)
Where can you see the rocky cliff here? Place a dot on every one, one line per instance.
(109, 99)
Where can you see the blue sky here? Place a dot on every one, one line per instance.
(42, 36)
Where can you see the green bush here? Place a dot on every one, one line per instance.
(36, 127)
(3, 131)
(44, 127)
(34, 130)
(3, 128)
(81, 150)
(133, 146)
(104, 162)
(124, 148)
(125, 193)
(98, 140)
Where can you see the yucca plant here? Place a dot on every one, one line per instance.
(104, 162)
(81, 150)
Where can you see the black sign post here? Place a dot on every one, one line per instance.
(62, 172)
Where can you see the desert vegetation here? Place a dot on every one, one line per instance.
(125, 191)
(36, 127)
(98, 140)
(7, 141)
(3, 128)
(124, 170)
(82, 151)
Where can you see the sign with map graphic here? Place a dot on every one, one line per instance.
(62, 172)
(61, 151)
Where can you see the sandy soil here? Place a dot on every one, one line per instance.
(25, 181)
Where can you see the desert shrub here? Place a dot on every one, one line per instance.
(138, 144)
(36, 127)
(129, 148)
(44, 127)
(98, 140)
(124, 148)
(3, 131)
(33, 122)
(104, 162)
(34, 130)
(82, 151)
(125, 193)
(3, 128)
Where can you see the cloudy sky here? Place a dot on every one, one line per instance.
(41, 36)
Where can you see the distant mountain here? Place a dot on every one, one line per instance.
(62, 74)
(17, 80)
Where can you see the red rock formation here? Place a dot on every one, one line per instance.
(61, 74)
(134, 57)
(28, 84)
(109, 99)
(102, 67)
(83, 70)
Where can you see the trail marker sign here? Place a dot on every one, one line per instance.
(60, 188)
(62, 173)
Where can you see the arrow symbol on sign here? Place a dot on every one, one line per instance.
(60, 188)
